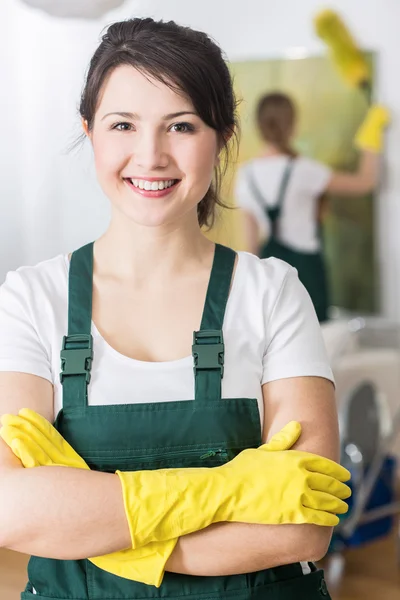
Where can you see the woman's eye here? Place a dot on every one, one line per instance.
(182, 127)
(122, 127)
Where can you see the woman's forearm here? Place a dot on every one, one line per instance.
(63, 513)
(359, 182)
(368, 168)
(66, 513)
(233, 548)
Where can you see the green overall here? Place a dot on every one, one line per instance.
(205, 432)
(310, 265)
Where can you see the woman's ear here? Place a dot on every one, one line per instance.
(85, 128)
(221, 145)
(228, 136)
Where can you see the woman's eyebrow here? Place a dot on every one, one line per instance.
(179, 114)
(129, 115)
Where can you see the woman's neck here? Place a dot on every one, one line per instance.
(130, 252)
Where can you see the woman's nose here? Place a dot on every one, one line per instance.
(151, 152)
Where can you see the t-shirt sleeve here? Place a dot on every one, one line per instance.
(294, 342)
(21, 348)
(246, 200)
(316, 176)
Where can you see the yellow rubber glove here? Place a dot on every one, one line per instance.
(370, 134)
(120, 563)
(257, 486)
(38, 444)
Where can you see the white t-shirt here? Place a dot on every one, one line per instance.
(270, 332)
(308, 180)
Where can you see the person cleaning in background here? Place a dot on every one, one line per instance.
(281, 192)
(179, 359)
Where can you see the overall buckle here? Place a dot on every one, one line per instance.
(208, 355)
(76, 361)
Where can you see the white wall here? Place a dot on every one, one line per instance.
(50, 200)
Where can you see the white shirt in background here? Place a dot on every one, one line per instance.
(298, 227)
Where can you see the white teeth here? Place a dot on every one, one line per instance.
(152, 185)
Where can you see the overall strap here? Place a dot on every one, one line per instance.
(77, 346)
(273, 213)
(208, 343)
(319, 220)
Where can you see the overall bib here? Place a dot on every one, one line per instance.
(203, 432)
(310, 265)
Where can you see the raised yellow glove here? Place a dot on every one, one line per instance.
(370, 134)
(257, 486)
(38, 444)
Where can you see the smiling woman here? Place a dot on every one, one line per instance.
(186, 142)
(171, 157)
(179, 358)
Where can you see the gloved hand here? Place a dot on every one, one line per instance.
(370, 134)
(38, 444)
(122, 563)
(257, 486)
(145, 564)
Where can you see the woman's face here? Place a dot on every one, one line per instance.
(154, 156)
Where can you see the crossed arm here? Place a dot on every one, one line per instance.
(66, 513)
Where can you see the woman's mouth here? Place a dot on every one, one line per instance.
(152, 188)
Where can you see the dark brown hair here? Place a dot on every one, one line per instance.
(276, 116)
(187, 61)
